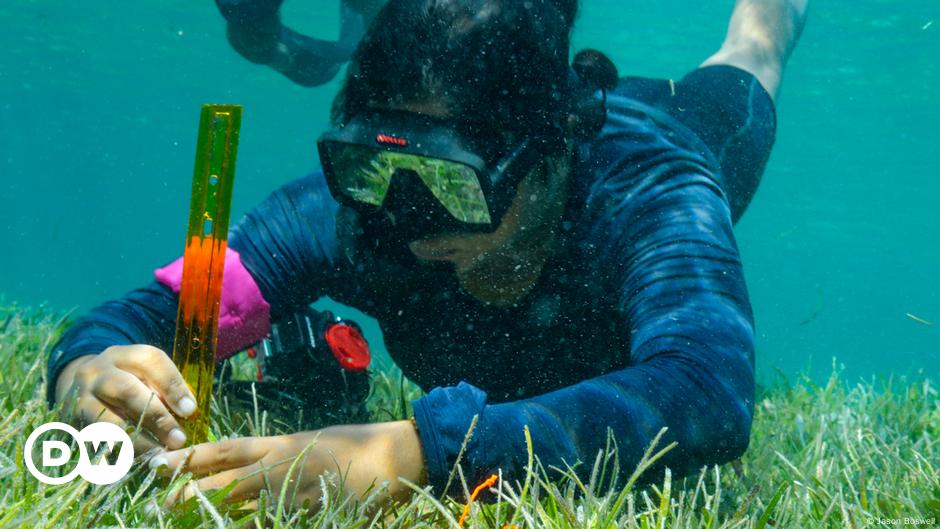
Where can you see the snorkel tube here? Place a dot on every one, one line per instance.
(590, 72)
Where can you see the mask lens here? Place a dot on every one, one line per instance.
(359, 172)
(454, 185)
(364, 174)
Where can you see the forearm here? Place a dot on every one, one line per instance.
(666, 247)
(401, 442)
(145, 315)
(703, 395)
(366, 455)
(287, 247)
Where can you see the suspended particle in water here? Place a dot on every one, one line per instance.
(919, 320)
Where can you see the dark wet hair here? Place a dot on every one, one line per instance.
(499, 66)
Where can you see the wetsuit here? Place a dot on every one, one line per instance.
(640, 318)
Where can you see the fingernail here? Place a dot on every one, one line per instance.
(186, 406)
(176, 439)
(158, 461)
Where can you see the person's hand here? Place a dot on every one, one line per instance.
(124, 383)
(365, 454)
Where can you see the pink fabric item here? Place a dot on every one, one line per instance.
(244, 315)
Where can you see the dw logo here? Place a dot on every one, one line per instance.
(99, 440)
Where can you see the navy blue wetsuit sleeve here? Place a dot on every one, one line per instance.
(144, 315)
(287, 243)
(666, 236)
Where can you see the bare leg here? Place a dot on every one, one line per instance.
(761, 36)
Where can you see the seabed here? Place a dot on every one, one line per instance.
(821, 456)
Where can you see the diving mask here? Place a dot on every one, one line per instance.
(418, 170)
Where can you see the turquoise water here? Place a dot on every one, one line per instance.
(99, 106)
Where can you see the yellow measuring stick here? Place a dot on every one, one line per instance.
(197, 319)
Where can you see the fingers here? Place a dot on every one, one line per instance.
(134, 383)
(227, 461)
(97, 412)
(128, 397)
(143, 443)
(215, 457)
(249, 487)
(156, 370)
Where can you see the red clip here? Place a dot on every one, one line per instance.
(348, 346)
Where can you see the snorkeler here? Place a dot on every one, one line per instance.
(255, 31)
(543, 244)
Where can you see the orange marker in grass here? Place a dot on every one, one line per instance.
(488, 482)
(197, 319)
